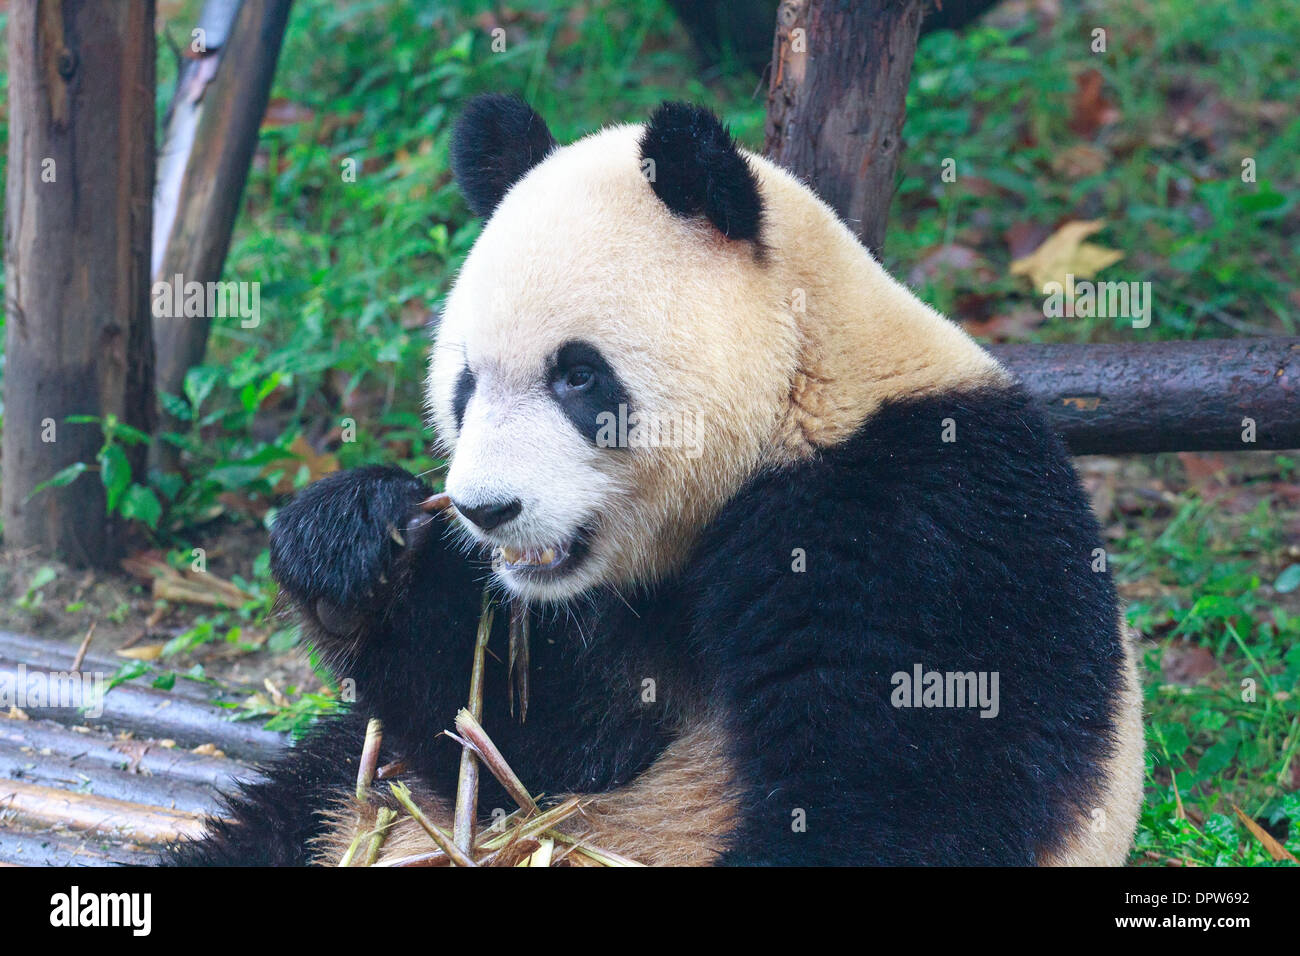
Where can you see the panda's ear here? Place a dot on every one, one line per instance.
(694, 166)
(497, 139)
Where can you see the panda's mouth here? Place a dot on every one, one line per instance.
(545, 561)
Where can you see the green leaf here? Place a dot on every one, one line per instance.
(115, 473)
(141, 504)
(130, 434)
(63, 478)
(199, 382)
(201, 633)
(282, 640)
(1217, 756)
(1288, 580)
(176, 407)
(42, 577)
(128, 671)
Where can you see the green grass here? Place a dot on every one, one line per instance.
(350, 269)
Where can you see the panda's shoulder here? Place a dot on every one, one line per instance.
(924, 484)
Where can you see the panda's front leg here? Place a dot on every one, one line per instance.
(392, 609)
(343, 551)
(386, 599)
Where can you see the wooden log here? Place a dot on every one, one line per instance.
(141, 755)
(45, 848)
(153, 713)
(77, 226)
(34, 804)
(70, 770)
(50, 654)
(1212, 395)
(837, 99)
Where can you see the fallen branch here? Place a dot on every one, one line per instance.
(1209, 395)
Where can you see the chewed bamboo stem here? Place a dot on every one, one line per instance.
(467, 784)
(402, 794)
(473, 734)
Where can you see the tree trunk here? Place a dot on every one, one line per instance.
(77, 227)
(212, 130)
(743, 28)
(837, 100)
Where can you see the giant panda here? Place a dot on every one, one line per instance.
(724, 629)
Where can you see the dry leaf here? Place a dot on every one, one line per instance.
(318, 465)
(1275, 849)
(1066, 254)
(1187, 664)
(1018, 324)
(192, 587)
(147, 652)
(943, 260)
(283, 112)
(1079, 161)
(1090, 110)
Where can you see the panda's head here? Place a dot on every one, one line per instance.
(628, 340)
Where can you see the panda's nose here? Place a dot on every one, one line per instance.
(490, 515)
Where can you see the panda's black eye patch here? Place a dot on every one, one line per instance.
(586, 387)
(460, 398)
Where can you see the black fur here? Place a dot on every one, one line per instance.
(604, 394)
(973, 555)
(465, 384)
(698, 171)
(497, 139)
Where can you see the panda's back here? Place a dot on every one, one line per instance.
(949, 534)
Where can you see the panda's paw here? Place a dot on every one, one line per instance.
(346, 541)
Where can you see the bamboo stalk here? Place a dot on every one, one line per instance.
(467, 784)
(599, 854)
(473, 734)
(517, 670)
(537, 825)
(384, 818)
(369, 758)
(438, 502)
(403, 795)
(350, 853)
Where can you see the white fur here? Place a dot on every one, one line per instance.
(774, 355)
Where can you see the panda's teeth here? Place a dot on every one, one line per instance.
(530, 557)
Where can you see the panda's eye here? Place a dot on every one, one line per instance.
(576, 378)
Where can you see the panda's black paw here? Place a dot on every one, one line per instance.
(345, 542)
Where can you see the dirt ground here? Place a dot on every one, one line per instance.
(126, 617)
